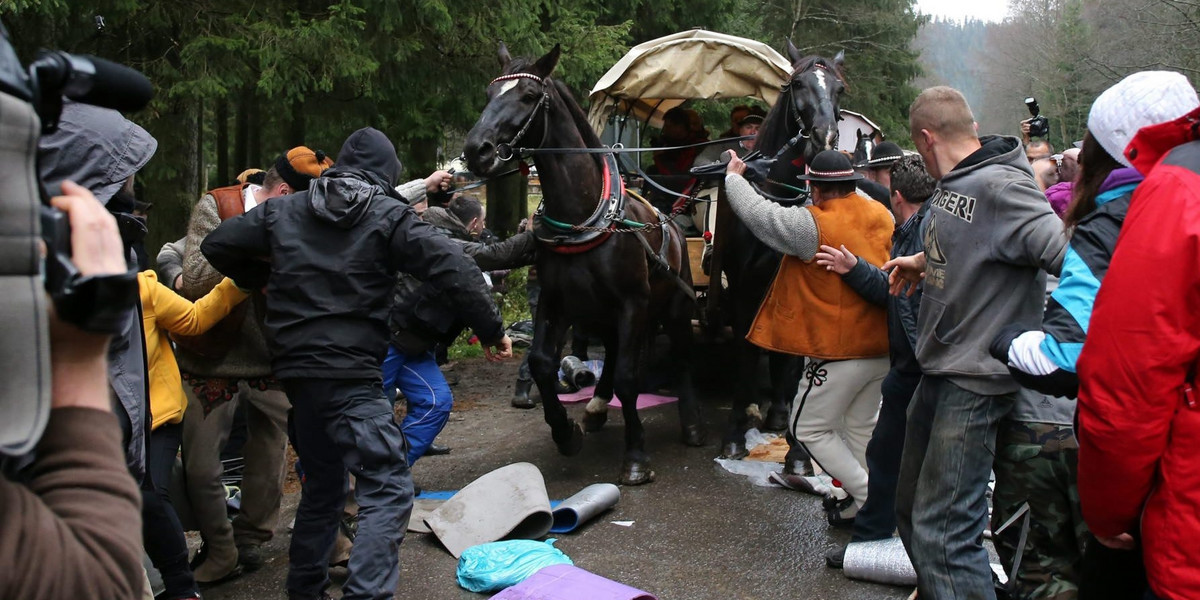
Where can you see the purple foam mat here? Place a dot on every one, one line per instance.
(566, 582)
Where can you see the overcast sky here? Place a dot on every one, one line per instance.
(984, 10)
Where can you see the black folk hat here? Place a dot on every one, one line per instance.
(885, 154)
(751, 118)
(830, 165)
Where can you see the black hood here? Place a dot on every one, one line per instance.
(369, 150)
(366, 166)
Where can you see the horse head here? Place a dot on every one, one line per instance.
(862, 148)
(516, 111)
(808, 105)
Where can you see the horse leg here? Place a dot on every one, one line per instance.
(679, 329)
(733, 447)
(786, 371)
(579, 344)
(595, 415)
(548, 330)
(631, 338)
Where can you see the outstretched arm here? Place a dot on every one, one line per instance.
(179, 315)
(418, 248)
(787, 229)
(865, 279)
(517, 251)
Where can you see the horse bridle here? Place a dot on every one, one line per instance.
(794, 106)
(543, 102)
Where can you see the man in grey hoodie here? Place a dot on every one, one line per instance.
(989, 235)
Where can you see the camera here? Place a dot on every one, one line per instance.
(1039, 126)
(35, 259)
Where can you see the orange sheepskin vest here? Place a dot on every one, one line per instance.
(810, 311)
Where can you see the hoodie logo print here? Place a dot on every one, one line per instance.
(954, 203)
(935, 266)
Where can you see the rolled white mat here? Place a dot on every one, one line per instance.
(583, 506)
(879, 561)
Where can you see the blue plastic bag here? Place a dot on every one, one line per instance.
(498, 565)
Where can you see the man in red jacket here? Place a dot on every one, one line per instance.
(1139, 418)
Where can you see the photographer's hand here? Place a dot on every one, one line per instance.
(78, 368)
(1025, 126)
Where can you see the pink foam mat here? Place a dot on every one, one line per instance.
(566, 582)
(645, 399)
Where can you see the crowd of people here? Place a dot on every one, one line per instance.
(324, 242)
(1091, 443)
(915, 285)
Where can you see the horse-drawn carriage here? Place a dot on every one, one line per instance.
(618, 268)
(661, 74)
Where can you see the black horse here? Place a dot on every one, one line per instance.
(802, 123)
(616, 286)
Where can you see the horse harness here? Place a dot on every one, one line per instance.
(566, 238)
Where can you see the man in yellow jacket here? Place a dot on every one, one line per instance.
(163, 312)
(809, 311)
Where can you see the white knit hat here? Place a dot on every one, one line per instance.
(1142, 99)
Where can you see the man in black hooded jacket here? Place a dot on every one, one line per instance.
(328, 257)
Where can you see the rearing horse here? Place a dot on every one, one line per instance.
(802, 122)
(617, 286)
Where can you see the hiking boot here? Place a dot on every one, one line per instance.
(798, 483)
(521, 397)
(840, 513)
(340, 557)
(250, 558)
(436, 449)
(220, 564)
(834, 558)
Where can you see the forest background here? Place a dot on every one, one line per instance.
(239, 81)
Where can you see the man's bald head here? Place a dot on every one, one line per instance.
(944, 112)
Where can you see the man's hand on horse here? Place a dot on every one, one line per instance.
(905, 273)
(735, 166)
(438, 181)
(501, 350)
(839, 260)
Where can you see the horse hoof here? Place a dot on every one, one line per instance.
(693, 436)
(754, 422)
(734, 451)
(636, 472)
(593, 422)
(574, 442)
(776, 421)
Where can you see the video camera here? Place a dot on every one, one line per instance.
(1039, 126)
(35, 238)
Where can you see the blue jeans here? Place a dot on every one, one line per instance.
(339, 427)
(428, 394)
(941, 502)
(876, 520)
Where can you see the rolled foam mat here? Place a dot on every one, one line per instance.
(879, 561)
(508, 503)
(584, 506)
(567, 582)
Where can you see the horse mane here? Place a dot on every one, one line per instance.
(776, 129)
(577, 115)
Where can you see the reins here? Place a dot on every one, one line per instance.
(506, 151)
